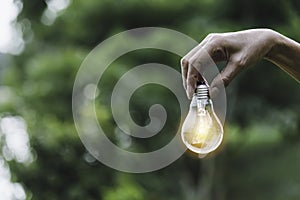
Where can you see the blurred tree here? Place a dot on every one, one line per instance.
(263, 123)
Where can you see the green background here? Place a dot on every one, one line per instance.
(260, 155)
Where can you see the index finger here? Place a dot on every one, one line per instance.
(184, 71)
(185, 61)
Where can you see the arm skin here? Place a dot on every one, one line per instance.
(286, 54)
(239, 50)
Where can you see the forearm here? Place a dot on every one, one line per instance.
(286, 54)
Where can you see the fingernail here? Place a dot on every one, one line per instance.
(187, 94)
(184, 85)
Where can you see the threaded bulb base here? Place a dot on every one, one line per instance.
(202, 91)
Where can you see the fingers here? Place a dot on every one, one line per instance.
(185, 61)
(194, 68)
(193, 76)
(224, 78)
(184, 71)
(206, 54)
(185, 65)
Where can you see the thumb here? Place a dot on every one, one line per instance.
(224, 78)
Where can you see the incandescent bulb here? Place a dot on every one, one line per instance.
(202, 131)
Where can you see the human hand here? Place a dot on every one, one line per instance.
(238, 49)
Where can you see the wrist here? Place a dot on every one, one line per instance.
(285, 54)
(277, 43)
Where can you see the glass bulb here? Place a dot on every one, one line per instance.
(202, 131)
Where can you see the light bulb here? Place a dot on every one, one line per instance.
(202, 131)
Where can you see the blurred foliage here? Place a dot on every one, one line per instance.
(259, 158)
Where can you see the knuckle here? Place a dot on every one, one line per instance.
(214, 36)
(241, 63)
(226, 80)
(214, 44)
(211, 35)
(183, 62)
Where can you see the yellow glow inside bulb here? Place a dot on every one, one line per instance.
(202, 131)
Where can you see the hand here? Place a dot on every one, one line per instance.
(239, 50)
